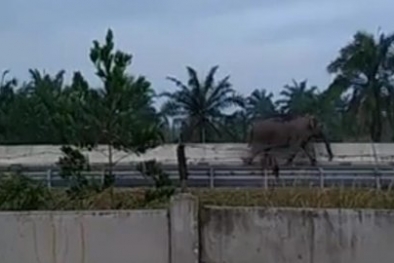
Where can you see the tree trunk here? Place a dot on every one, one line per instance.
(203, 134)
(109, 179)
(182, 166)
(376, 129)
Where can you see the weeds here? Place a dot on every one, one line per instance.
(18, 192)
(163, 188)
(72, 165)
(153, 198)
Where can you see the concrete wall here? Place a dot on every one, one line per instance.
(86, 237)
(143, 236)
(179, 234)
(297, 235)
(219, 153)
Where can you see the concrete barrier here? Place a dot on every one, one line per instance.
(143, 236)
(296, 235)
(213, 153)
(347, 152)
(180, 234)
(89, 237)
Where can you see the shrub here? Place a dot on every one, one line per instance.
(163, 187)
(18, 192)
(72, 165)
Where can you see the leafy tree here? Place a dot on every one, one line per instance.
(121, 112)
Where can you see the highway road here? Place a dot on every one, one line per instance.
(241, 176)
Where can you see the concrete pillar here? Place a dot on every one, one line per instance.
(184, 235)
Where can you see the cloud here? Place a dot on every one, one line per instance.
(261, 44)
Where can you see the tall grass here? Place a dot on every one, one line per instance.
(299, 197)
(18, 192)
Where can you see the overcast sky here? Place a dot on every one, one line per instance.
(260, 43)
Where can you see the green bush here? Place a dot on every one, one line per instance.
(72, 165)
(18, 192)
(163, 187)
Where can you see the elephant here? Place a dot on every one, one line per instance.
(270, 160)
(286, 132)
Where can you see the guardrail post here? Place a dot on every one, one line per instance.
(49, 178)
(377, 179)
(103, 177)
(265, 179)
(211, 177)
(321, 174)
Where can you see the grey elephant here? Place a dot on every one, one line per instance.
(294, 133)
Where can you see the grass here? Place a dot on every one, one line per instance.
(21, 193)
(299, 197)
(290, 197)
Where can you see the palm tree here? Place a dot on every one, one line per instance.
(40, 102)
(7, 101)
(237, 126)
(298, 99)
(259, 104)
(199, 103)
(362, 67)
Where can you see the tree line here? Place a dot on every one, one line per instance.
(358, 105)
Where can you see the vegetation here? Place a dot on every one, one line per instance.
(31, 199)
(357, 106)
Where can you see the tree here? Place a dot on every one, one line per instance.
(200, 103)
(259, 104)
(237, 125)
(120, 113)
(36, 109)
(298, 99)
(362, 68)
(7, 99)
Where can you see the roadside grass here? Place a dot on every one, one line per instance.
(282, 197)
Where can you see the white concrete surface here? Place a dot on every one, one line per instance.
(117, 236)
(179, 234)
(184, 229)
(218, 153)
(86, 237)
(255, 235)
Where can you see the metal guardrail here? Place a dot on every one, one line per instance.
(214, 177)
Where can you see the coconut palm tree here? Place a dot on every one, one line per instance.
(200, 104)
(362, 68)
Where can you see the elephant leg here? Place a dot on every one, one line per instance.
(263, 163)
(302, 145)
(291, 158)
(270, 161)
(253, 153)
(256, 150)
(275, 166)
(312, 159)
(296, 146)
